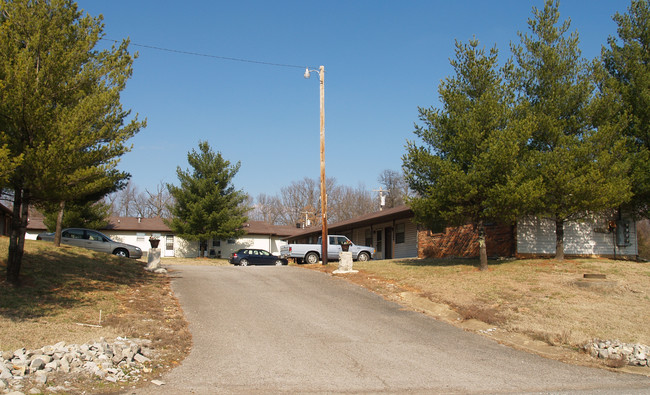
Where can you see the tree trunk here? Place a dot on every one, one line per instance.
(482, 247)
(559, 239)
(17, 235)
(59, 225)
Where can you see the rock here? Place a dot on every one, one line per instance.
(122, 360)
(157, 382)
(19, 371)
(141, 358)
(41, 377)
(5, 374)
(36, 364)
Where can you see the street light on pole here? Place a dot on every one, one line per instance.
(323, 193)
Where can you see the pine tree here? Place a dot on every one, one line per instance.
(92, 215)
(207, 205)
(468, 170)
(578, 164)
(60, 111)
(626, 91)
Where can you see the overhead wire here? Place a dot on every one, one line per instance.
(207, 55)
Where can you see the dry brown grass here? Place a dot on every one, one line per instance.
(539, 298)
(64, 287)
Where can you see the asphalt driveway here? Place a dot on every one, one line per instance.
(287, 329)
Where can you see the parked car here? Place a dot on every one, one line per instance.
(310, 253)
(94, 240)
(255, 256)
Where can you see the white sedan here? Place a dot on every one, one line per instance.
(94, 240)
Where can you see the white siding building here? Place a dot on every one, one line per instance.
(137, 231)
(595, 236)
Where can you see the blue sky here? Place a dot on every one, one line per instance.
(382, 60)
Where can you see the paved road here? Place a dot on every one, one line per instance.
(292, 330)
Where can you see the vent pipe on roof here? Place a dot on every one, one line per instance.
(139, 219)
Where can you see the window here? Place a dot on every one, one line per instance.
(216, 243)
(368, 237)
(140, 236)
(74, 234)
(400, 233)
(94, 236)
(231, 241)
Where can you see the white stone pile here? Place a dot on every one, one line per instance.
(120, 360)
(632, 354)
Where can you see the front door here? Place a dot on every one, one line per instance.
(169, 245)
(388, 244)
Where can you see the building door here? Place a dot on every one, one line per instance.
(379, 246)
(388, 232)
(169, 245)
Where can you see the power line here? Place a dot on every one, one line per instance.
(207, 55)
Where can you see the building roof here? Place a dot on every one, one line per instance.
(137, 224)
(264, 228)
(390, 214)
(148, 225)
(35, 220)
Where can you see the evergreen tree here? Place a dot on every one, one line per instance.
(578, 164)
(206, 204)
(469, 170)
(60, 110)
(626, 91)
(7, 165)
(91, 215)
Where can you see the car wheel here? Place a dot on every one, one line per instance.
(363, 257)
(278, 262)
(121, 252)
(312, 258)
(243, 262)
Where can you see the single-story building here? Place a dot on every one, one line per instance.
(394, 234)
(137, 231)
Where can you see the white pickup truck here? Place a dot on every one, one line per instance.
(310, 253)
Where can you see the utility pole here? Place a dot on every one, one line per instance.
(323, 193)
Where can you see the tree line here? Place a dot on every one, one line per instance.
(549, 133)
(296, 203)
(299, 202)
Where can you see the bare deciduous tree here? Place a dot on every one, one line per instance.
(267, 208)
(129, 202)
(158, 202)
(346, 202)
(398, 190)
